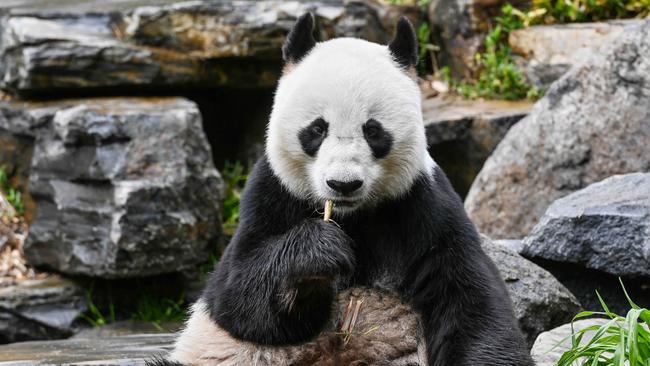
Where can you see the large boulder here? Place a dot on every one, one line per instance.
(461, 134)
(593, 123)
(592, 237)
(162, 44)
(540, 301)
(36, 309)
(546, 52)
(605, 226)
(123, 186)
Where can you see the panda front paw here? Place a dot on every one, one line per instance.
(322, 252)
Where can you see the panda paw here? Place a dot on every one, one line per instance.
(322, 252)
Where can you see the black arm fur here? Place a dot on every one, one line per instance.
(421, 246)
(275, 282)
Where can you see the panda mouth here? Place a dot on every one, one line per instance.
(345, 203)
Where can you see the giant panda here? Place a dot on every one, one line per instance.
(400, 253)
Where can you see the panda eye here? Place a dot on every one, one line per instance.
(312, 136)
(372, 131)
(379, 140)
(318, 130)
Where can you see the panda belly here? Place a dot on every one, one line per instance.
(385, 332)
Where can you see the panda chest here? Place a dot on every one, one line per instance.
(380, 260)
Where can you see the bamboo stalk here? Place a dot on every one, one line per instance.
(329, 205)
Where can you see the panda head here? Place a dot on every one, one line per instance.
(346, 122)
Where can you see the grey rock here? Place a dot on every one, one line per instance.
(39, 309)
(70, 45)
(593, 123)
(547, 52)
(127, 327)
(550, 346)
(123, 186)
(540, 301)
(127, 350)
(461, 134)
(605, 226)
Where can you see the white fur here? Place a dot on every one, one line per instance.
(347, 82)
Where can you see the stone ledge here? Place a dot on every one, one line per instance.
(154, 44)
(125, 350)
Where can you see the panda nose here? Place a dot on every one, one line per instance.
(345, 188)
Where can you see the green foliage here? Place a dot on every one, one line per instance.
(157, 310)
(93, 315)
(13, 196)
(425, 46)
(148, 307)
(572, 11)
(498, 77)
(234, 176)
(620, 341)
(206, 268)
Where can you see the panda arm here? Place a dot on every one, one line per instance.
(274, 284)
(466, 311)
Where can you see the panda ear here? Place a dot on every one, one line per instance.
(404, 47)
(300, 39)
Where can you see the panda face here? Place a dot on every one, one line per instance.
(347, 126)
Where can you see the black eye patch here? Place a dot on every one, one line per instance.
(379, 140)
(312, 136)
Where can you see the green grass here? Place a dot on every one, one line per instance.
(158, 310)
(148, 307)
(13, 196)
(234, 176)
(622, 341)
(94, 316)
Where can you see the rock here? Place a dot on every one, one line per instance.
(584, 283)
(461, 27)
(16, 154)
(36, 309)
(150, 45)
(593, 123)
(462, 134)
(550, 346)
(540, 301)
(605, 226)
(128, 350)
(127, 327)
(124, 186)
(547, 52)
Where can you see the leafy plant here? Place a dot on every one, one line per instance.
(235, 177)
(93, 315)
(572, 11)
(13, 196)
(498, 76)
(425, 46)
(622, 341)
(157, 310)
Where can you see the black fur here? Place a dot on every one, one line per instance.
(379, 140)
(300, 39)
(312, 136)
(404, 46)
(278, 276)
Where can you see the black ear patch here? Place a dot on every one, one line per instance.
(300, 39)
(404, 46)
(379, 140)
(312, 136)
